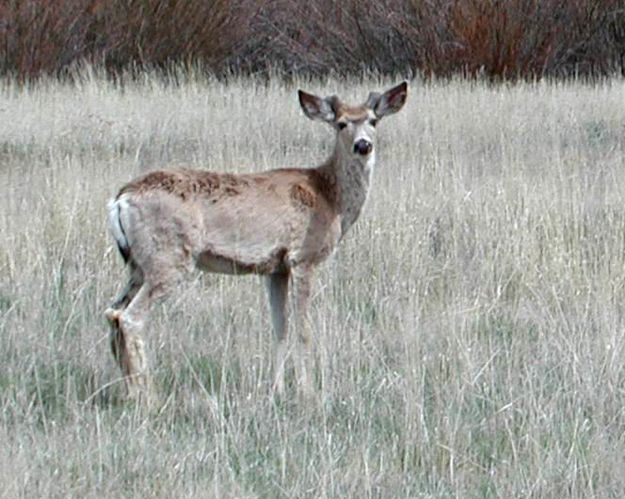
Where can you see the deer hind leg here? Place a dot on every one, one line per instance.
(127, 325)
(126, 342)
(121, 341)
(126, 295)
(277, 287)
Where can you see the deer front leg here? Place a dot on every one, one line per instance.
(302, 283)
(277, 287)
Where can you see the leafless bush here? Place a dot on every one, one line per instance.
(46, 36)
(496, 39)
(490, 38)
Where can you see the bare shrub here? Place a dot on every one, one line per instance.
(489, 38)
(46, 36)
(499, 40)
(41, 36)
(521, 38)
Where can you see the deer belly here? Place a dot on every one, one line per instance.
(242, 262)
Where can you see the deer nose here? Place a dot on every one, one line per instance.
(363, 147)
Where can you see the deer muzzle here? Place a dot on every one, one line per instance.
(363, 147)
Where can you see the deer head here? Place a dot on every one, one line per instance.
(355, 125)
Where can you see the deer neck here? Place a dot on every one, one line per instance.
(351, 176)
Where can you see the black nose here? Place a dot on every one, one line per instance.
(363, 147)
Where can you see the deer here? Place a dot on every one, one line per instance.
(280, 224)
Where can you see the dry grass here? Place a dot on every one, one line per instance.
(470, 329)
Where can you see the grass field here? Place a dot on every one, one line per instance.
(470, 330)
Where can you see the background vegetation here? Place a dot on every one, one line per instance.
(487, 38)
(470, 330)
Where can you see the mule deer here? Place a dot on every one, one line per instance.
(279, 223)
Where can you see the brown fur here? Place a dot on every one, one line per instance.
(302, 196)
(354, 114)
(212, 261)
(187, 184)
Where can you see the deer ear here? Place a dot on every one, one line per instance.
(317, 108)
(389, 102)
(372, 100)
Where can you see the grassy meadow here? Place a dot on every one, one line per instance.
(469, 331)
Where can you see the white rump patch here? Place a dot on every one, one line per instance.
(116, 208)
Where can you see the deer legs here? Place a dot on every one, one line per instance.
(126, 342)
(289, 294)
(301, 280)
(278, 288)
(126, 316)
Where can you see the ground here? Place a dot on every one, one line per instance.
(469, 330)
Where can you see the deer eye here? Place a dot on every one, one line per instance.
(373, 122)
(341, 125)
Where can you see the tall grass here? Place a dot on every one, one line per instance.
(469, 331)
